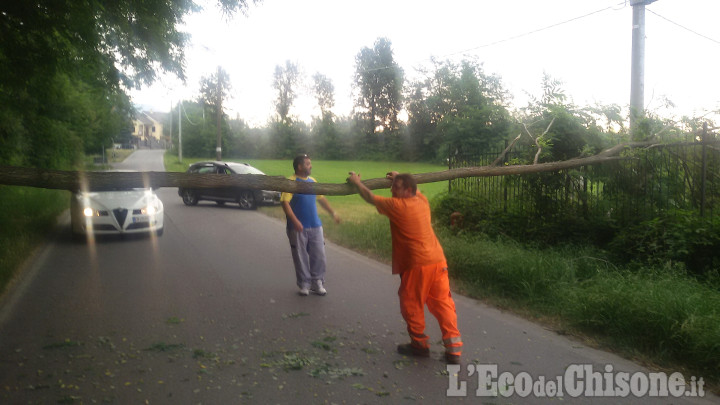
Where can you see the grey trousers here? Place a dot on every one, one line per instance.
(308, 253)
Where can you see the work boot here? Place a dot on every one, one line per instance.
(409, 350)
(452, 358)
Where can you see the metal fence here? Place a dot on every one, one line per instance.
(682, 176)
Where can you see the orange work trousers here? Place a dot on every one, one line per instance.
(429, 285)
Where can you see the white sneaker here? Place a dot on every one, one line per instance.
(303, 291)
(318, 288)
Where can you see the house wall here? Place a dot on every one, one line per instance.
(145, 131)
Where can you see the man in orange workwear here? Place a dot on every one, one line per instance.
(420, 261)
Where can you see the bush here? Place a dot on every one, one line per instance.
(26, 216)
(554, 226)
(658, 312)
(476, 216)
(678, 236)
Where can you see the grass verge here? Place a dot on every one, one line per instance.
(660, 317)
(27, 215)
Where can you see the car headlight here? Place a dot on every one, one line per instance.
(92, 212)
(151, 209)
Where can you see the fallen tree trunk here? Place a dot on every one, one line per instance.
(96, 181)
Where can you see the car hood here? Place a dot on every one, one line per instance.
(118, 199)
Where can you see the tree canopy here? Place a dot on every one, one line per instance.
(379, 83)
(65, 67)
(285, 81)
(456, 108)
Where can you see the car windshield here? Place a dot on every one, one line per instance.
(120, 188)
(240, 168)
(252, 170)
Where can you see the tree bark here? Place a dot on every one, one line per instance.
(98, 181)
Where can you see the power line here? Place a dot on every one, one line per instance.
(186, 114)
(535, 31)
(615, 8)
(517, 36)
(685, 28)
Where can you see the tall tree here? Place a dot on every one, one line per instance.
(324, 131)
(378, 83)
(324, 93)
(285, 134)
(65, 53)
(125, 41)
(559, 129)
(197, 130)
(456, 107)
(286, 78)
(213, 90)
(240, 143)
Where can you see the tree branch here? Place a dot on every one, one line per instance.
(508, 149)
(96, 181)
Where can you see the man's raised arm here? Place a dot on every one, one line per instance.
(364, 192)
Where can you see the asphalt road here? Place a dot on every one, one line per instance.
(209, 313)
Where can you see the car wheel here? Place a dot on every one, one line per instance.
(189, 198)
(246, 200)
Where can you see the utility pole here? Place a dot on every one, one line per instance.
(218, 150)
(171, 124)
(637, 73)
(703, 178)
(180, 131)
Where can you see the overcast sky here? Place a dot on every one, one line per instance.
(584, 43)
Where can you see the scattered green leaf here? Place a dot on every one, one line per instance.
(63, 344)
(335, 373)
(401, 364)
(164, 347)
(174, 320)
(199, 353)
(295, 315)
(322, 345)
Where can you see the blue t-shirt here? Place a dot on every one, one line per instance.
(303, 205)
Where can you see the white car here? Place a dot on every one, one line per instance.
(128, 211)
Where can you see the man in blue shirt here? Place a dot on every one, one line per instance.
(304, 231)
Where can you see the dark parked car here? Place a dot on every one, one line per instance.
(247, 198)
